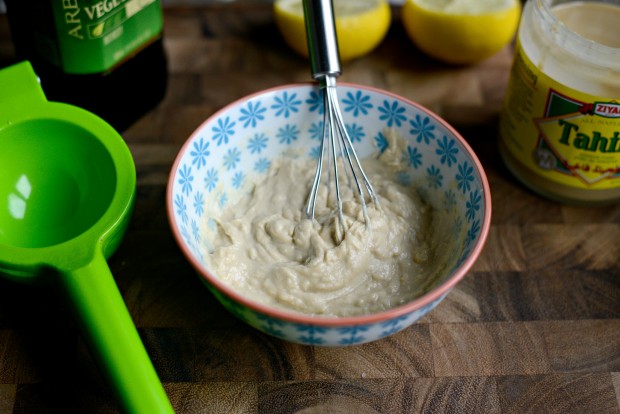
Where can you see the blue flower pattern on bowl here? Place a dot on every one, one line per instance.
(250, 133)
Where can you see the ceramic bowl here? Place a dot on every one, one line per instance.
(237, 144)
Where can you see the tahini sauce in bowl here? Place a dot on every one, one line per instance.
(267, 250)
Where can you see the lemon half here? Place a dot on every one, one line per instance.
(461, 31)
(361, 25)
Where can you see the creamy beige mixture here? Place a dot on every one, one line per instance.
(266, 249)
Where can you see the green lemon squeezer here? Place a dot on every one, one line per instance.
(67, 189)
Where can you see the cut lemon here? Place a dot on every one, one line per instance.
(360, 25)
(461, 31)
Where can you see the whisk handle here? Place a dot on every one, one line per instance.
(322, 39)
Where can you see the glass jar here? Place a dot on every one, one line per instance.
(559, 130)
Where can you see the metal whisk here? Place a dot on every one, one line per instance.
(325, 65)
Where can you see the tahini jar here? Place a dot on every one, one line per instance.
(560, 124)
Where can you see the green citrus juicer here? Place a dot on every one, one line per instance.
(67, 189)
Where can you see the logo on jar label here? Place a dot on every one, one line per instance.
(607, 109)
(578, 138)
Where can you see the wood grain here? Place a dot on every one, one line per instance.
(557, 393)
(533, 328)
(214, 397)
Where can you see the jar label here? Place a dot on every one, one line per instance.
(93, 36)
(559, 133)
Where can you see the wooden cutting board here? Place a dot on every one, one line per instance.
(534, 327)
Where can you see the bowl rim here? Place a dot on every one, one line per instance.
(333, 321)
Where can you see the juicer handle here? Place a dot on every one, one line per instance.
(322, 38)
(113, 339)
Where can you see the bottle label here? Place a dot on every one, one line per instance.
(558, 133)
(93, 36)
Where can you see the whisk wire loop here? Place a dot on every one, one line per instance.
(336, 143)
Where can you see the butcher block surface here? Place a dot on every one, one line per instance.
(533, 328)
